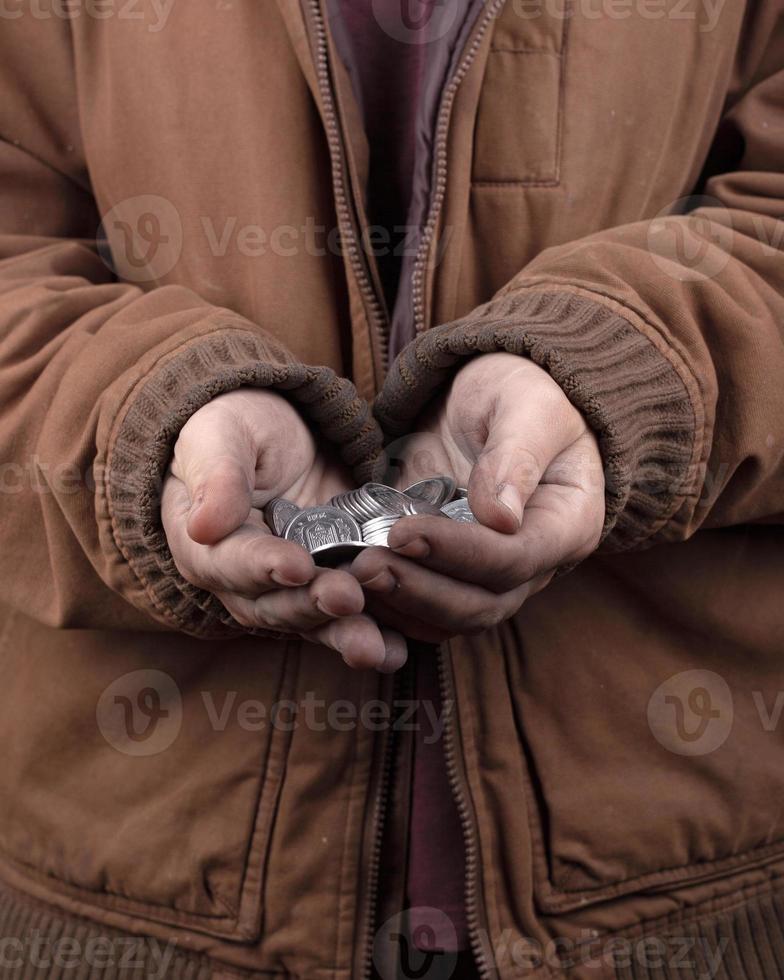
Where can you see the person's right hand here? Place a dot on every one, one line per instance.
(232, 456)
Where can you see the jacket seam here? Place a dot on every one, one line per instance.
(115, 901)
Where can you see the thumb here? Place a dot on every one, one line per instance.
(502, 480)
(529, 426)
(217, 464)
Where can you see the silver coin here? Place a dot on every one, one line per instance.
(436, 490)
(278, 513)
(330, 555)
(353, 502)
(376, 531)
(316, 527)
(425, 507)
(459, 511)
(386, 500)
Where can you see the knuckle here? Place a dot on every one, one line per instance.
(525, 569)
(239, 613)
(268, 618)
(484, 619)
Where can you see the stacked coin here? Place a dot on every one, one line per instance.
(362, 518)
(376, 532)
(373, 500)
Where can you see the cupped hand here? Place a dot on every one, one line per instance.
(233, 456)
(535, 483)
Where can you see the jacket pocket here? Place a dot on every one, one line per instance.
(519, 120)
(144, 775)
(650, 755)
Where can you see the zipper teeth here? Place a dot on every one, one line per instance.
(374, 865)
(379, 812)
(379, 337)
(471, 849)
(440, 169)
(381, 341)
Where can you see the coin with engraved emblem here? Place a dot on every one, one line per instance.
(316, 527)
(278, 513)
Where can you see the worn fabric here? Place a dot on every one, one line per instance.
(218, 148)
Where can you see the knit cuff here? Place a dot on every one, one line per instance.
(632, 392)
(141, 446)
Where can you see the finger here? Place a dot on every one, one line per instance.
(362, 644)
(527, 431)
(249, 561)
(215, 460)
(560, 525)
(438, 600)
(332, 594)
(387, 615)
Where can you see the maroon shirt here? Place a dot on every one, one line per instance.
(388, 66)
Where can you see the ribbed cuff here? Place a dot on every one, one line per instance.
(744, 941)
(629, 392)
(201, 369)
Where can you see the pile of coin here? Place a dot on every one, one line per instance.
(362, 518)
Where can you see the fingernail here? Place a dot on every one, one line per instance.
(289, 583)
(323, 608)
(383, 581)
(396, 652)
(509, 496)
(415, 548)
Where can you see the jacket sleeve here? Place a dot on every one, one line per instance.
(98, 377)
(667, 334)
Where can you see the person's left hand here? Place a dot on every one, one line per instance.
(535, 483)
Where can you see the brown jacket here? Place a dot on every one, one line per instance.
(217, 150)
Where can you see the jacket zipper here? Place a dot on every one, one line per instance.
(472, 905)
(438, 190)
(379, 338)
(378, 320)
(401, 693)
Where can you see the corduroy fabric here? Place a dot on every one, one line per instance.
(745, 942)
(39, 942)
(629, 392)
(216, 363)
